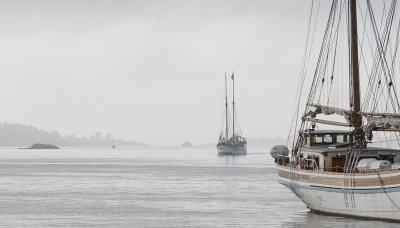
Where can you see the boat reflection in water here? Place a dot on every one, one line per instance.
(310, 219)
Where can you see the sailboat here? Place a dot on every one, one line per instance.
(345, 156)
(234, 144)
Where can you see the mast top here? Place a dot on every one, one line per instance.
(233, 104)
(226, 111)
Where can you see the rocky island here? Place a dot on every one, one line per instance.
(41, 146)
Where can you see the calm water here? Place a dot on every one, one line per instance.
(150, 187)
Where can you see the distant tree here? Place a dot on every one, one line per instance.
(20, 135)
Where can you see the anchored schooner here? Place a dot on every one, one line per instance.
(235, 144)
(345, 156)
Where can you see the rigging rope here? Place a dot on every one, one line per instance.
(303, 71)
(382, 50)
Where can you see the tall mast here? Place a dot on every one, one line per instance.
(355, 76)
(226, 110)
(233, 105)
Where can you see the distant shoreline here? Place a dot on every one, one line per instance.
(20, 135)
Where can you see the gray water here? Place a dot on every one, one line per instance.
(150, 187)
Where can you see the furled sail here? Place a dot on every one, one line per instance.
(381, 122)
(384, 121)
(327, 110)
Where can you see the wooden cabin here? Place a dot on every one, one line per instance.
(325, 150)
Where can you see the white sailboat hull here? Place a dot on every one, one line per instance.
(373, 201)
(227, 148)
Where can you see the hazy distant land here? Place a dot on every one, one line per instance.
(255, 141)
(20, 135)
(17, 135)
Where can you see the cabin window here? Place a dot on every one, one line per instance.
(328, 139)
(341, 138)
(317, 139)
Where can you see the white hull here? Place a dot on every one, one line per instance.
(228, 149)
(377, 202)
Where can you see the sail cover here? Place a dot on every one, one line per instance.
(382, 121)
(327, 110)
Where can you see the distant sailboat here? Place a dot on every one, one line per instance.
(235, 144)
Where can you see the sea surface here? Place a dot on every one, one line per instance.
(150, 187)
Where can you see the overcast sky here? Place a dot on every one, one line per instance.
(150, 71)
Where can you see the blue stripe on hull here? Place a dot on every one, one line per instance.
(377, 189)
